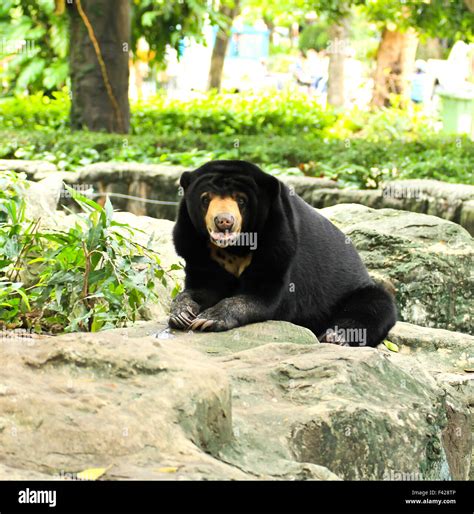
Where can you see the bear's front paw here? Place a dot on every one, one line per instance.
(183, 312)
(213, 320)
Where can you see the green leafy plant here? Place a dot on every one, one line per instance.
(268, 112)
(34, 46)
(315, 36)
(36, 112)
(278, 131)
(271, 113)
(385, 124)
(348, 160)
(263, 113)
(87, 278)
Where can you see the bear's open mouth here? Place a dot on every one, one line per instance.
(223, 239)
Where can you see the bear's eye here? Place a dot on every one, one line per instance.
(242, 201)
(205, 200)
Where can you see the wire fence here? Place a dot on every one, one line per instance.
(138, 198)
(93, 194)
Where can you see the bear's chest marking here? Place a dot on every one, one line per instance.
(233, 264)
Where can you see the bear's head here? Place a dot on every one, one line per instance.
(227, 200)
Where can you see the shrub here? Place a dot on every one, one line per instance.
(290, 113)
(354, 162)
(280, 131)
(91, 277)
(385, 124)
(36, 112)
(267, 112)
(260, 113)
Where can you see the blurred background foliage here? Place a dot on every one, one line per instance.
(287, 130)
(46, 67)
(286, 134)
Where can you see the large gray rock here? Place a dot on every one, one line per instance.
(344, 409)
(82, 401)
(265, 401)
(449, 358)
(152, 408)
(467, 216)
(429, 262)
(42, 198)
(155, 187)
(439, 351)
(452, 202)
(34, 170)
(442, 198)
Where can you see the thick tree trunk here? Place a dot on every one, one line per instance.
(337, 57)
(395, 63)
(220, 46)
(98, 104)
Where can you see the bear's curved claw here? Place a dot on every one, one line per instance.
(191, 312)
(201, 324)
(175, 322)
(183, 320)
(207, 324)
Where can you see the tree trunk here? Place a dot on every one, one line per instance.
(100, 103)
(337, 57)
(220, 46)
(395, 63)
(270, 26)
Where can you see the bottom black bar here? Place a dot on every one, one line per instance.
(236, 497)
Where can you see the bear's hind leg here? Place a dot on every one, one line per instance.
(362, 318)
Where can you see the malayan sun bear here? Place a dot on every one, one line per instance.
(255, 251)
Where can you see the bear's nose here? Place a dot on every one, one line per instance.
(224, 221)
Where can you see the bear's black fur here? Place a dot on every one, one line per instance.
(301, 269)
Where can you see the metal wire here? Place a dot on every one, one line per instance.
(145, 200)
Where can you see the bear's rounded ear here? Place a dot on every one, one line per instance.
(185, 179)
